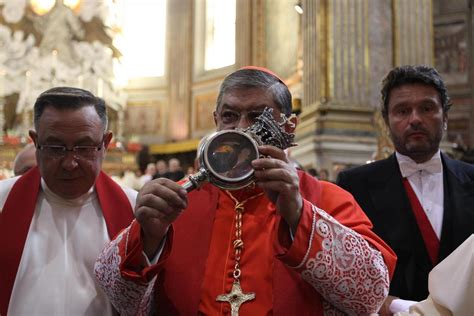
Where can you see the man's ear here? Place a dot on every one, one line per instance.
(445, 121)
(214, 114)
(107, 139)
(34, 137)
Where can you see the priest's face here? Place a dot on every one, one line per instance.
(70, 146)
(416, 120)
(240, 107)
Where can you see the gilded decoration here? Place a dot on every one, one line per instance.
(451, 49)
(144, 117)
(205, 105)
(384, 143)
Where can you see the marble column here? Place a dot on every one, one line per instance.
(413, 30)
(180, 44)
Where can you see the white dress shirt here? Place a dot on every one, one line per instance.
(426, 179)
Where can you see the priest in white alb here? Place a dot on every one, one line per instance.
(55, 219)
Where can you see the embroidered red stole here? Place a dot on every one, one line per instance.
(427, 232)
(18, 212)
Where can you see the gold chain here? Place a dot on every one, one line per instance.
(238, 242)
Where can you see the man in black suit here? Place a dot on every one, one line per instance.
(420, 201)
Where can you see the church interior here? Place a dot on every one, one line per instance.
(158, 65)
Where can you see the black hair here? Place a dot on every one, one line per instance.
(69, 98)
(409, 74)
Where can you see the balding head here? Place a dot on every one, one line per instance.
(24, 160)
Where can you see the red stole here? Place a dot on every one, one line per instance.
(18, 212)
(427, 232)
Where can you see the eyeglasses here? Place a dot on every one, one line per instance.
(229, 116)
(79, 152)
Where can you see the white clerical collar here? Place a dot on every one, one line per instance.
(54, 198)
(408, 166)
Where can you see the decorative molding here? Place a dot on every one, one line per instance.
(202, 113)
(145, 117)
(384, 143)
(451, 43)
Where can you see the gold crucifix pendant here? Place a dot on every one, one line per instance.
(235, 298)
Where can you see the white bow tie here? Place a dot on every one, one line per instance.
(408, 168)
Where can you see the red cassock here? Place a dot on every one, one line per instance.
(334, 260)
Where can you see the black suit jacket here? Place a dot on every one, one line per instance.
(379, 190)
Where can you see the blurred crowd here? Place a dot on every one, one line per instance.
(170, 169)
(135, 179)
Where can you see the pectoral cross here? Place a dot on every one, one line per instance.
(235, 298)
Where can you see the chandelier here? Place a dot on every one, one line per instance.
(42, 7)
